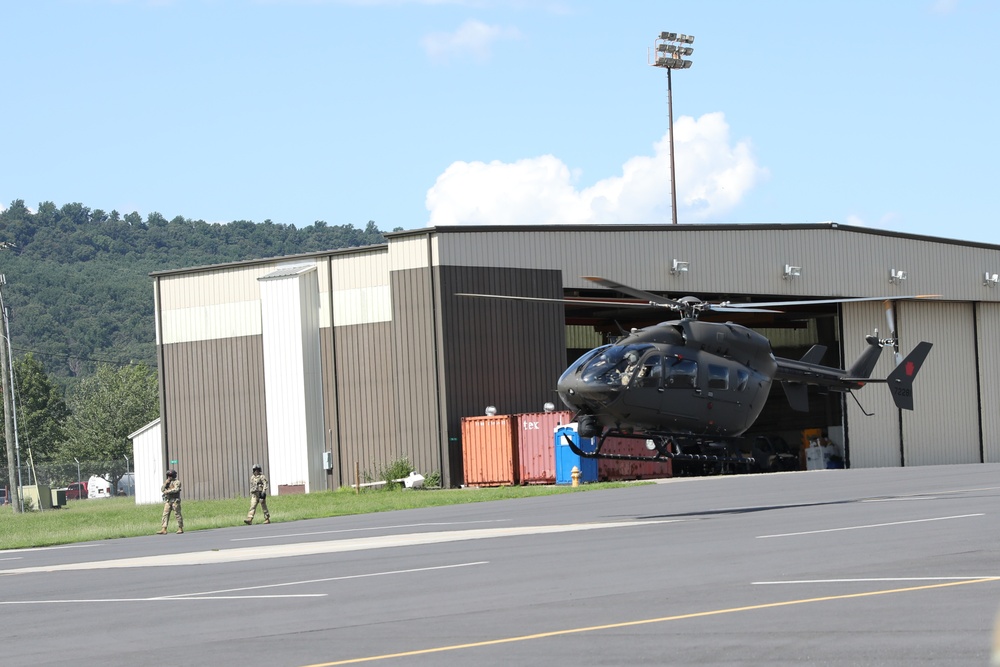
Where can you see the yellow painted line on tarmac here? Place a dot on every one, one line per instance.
(648, 621)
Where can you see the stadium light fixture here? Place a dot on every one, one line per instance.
(669, 52)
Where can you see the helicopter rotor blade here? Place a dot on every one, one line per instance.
(572, 302)
(816, 302)
(653, 299)
(890, 318)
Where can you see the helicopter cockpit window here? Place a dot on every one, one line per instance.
(681, 373)
(580, 363)
(651, 371)
(615, 365)
(718, 377)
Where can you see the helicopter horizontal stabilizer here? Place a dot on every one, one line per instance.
(797, 395)
(901, 378)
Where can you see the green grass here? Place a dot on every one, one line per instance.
(108, 518)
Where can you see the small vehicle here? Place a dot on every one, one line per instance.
(772, 454)
(98, 487)
(126, 485)
(4, 496)
(76, 491)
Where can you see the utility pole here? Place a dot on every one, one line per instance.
(8, 412)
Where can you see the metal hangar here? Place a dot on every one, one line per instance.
(319, 363)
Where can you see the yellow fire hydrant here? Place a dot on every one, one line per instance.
(575, 474)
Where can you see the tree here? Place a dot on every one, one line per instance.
(41, 410)
(108, 406)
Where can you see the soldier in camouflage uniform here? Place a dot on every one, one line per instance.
(171, 491)
(258, 495)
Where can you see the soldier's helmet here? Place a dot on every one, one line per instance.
(256, 467)
(171, 474)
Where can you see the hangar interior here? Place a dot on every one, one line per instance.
(318, 364)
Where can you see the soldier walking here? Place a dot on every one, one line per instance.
(258, 495)
(171, 491)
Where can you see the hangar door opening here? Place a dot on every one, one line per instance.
(779, 434)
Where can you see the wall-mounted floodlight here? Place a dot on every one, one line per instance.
(491, 410)
(791, 272)
(677, 266)
(990, 279)
(668, 52)
(896, 276)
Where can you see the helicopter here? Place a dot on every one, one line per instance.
(691, 388)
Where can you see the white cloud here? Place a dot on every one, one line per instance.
(712, 178)
(473, 38)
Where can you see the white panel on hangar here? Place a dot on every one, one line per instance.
(293, 388)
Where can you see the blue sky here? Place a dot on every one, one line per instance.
(418, 112)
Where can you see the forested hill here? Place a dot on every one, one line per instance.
(78, 289)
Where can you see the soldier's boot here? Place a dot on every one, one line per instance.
(267, 519)
(248, 521)
(180, 531)
(161, 531)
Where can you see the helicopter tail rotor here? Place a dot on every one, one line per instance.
(890, 318)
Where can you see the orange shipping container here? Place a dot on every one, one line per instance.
(489, 450)
(536, 445)
(612, 470)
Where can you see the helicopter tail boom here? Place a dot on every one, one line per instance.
(794, 375)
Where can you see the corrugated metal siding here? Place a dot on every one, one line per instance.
(331, 416)
(360, 289)
(366, 410)
(495, 352)
(413, 252)
(988, 328)
(944, 425)
(213, 416)
(835, 261)
(415, 389)
(223, 303)
(872, 442)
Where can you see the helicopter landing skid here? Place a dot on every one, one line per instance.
(664, 448)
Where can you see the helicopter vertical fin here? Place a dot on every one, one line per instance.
(865, 364)
(797, 395)
(814, 355)
(901, 378)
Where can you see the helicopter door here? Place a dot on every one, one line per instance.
(646, 387)
(684, 400)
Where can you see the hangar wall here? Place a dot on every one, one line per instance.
(872, 423)
(835, 260)
(988, 399)
(944, 425)
(403, 359)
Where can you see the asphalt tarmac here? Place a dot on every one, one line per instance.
(834, 567)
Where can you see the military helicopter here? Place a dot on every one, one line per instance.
(691, 388)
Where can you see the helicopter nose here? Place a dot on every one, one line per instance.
(580, 395)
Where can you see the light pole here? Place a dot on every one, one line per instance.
(667, 51)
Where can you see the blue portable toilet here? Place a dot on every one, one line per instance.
(566, 458)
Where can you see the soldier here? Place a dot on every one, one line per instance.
(258, 494)
(171, 491)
